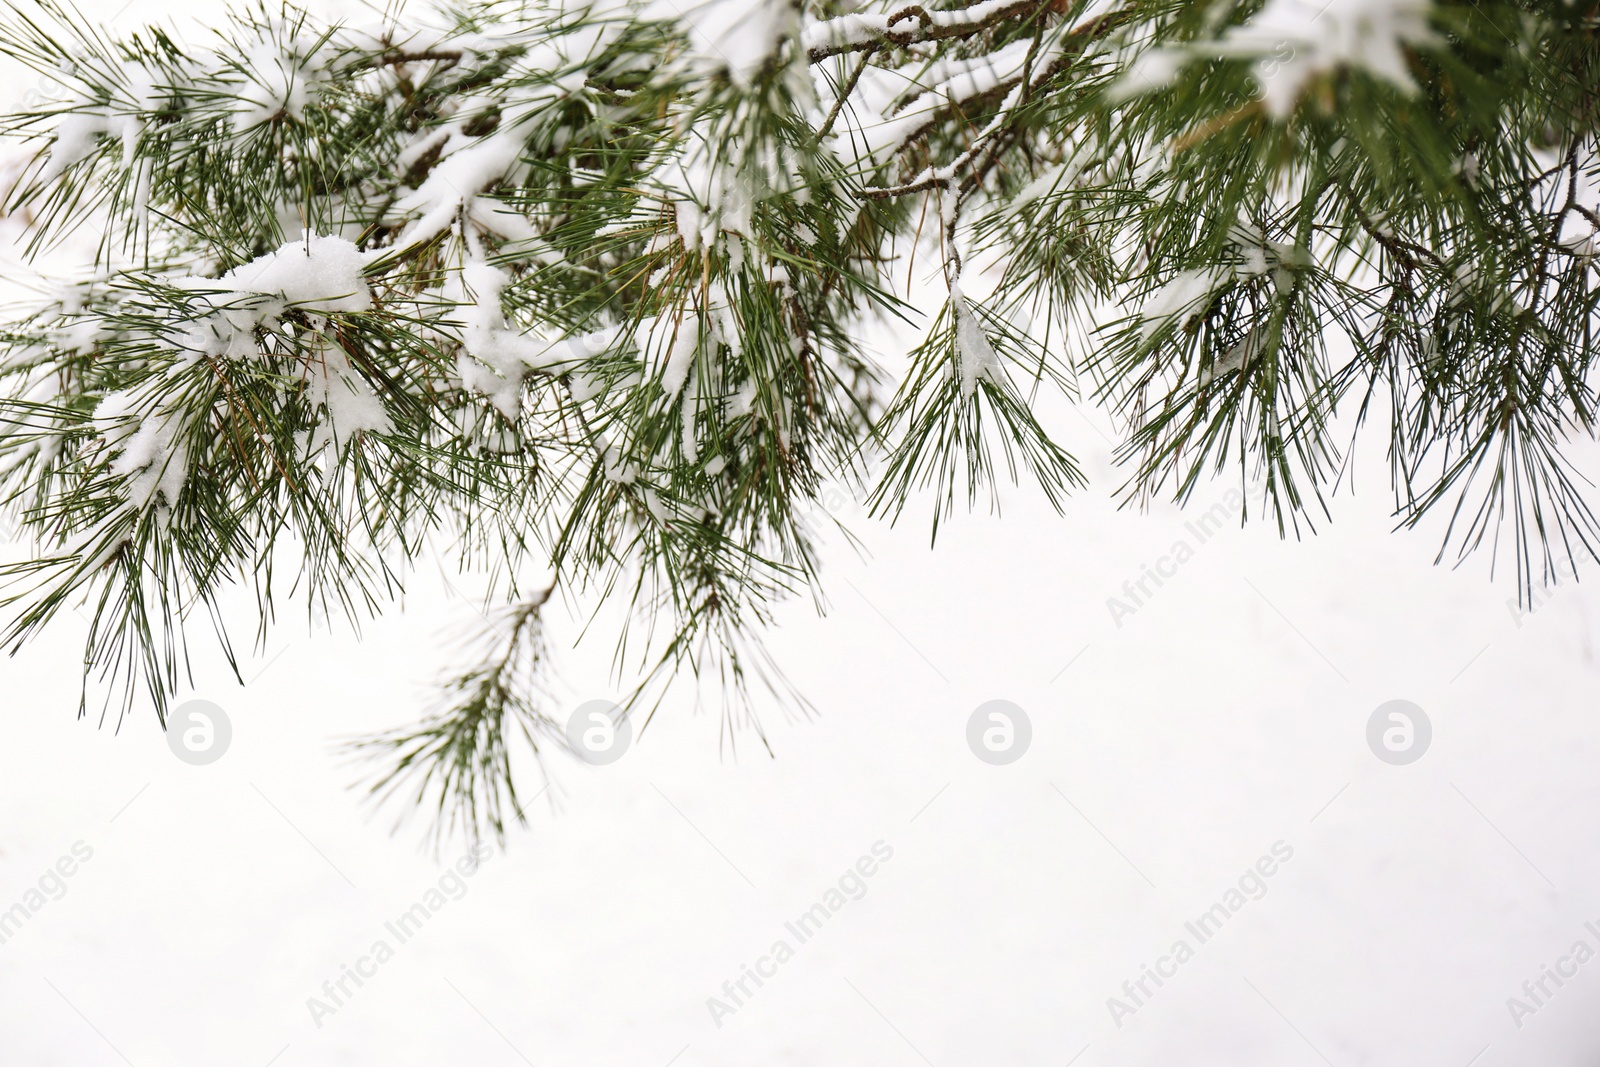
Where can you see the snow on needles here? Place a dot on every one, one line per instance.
(276, 78)
(855, 30)
(317, 274)
(737, 35)
(78, 132)
(314, 273)
(975, 356)
(352, 405)
(495, 357)
(1324, 36)
(146, 449)
(145, 435)
(1295, 42)
(454, 183)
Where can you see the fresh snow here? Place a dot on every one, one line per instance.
(495, 357)
(1325, 35)
(313, 273)
(975, 356)
(1294, 42)
(1183, 295)
(78, 132)
(276, 81)
(845, 31)
(739, 36)
(145, 447)
(352, 405)
(892, 105)
(680, 355)
(453, 183)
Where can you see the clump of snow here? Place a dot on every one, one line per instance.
(496, 357)
(1042, 186)
(78, 131)
(1149, 71)
(1188, 292)
(680, 356)
(314, 273)
(81, 329)
(278, 79)
(1582, 237)
(76, 135)
(1182, 296)
(975, 356)
(715, 185)
(352, 405)
(545, 72)
(454, 183)
(739, 36)
(146, 451)
(273, 78)
(1294, 42)
(892, 106)
(859, 28)
(318, 274)
(1321, 36)
(1240, 356)
(1580, 229)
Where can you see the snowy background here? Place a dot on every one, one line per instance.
(1223, 719)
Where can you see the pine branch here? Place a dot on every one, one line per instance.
(584, 290)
